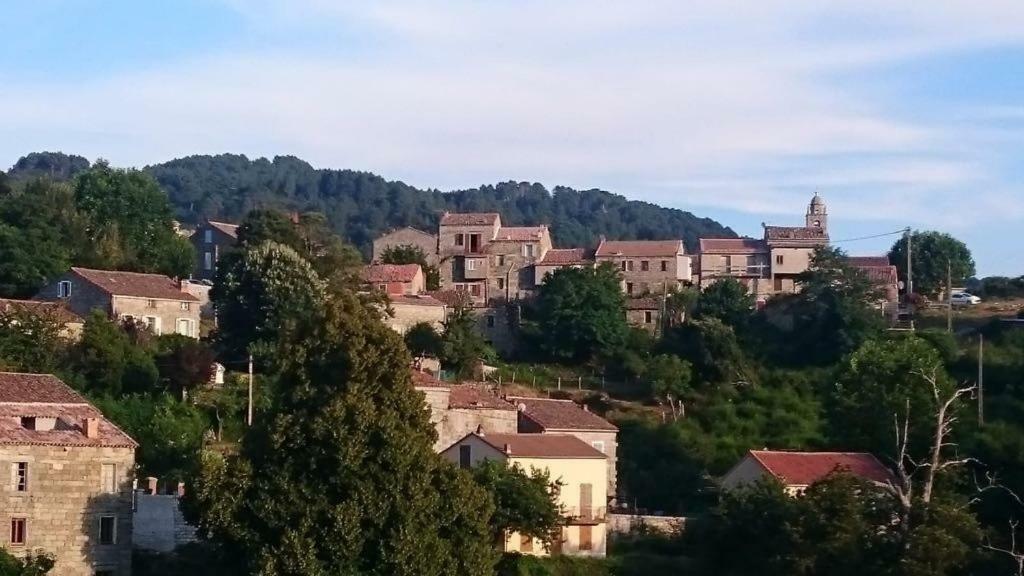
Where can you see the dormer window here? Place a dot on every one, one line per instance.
(64, 289)
(28, 422)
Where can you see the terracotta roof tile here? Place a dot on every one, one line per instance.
(520, 233)
(806, 468)
(426, 380)
(45, 396)
(551, 414)
(565, 257)
(877, 269)
(225, 227)
(118, 283)
(58, 309)
(868, 261)
(542, 446)
(794, 233)
(374, 273)
(732, 246)
(474, 396)
(469, 219)
(639, 248)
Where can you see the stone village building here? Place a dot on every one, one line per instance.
(160, 302)
(407, 236)
(65, 478)
(210, 240)
(647, 266)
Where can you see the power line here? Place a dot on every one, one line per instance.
(901, 231)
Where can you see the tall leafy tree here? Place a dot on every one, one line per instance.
(524, 502)
(35, 563)
(931, 253)
(340, 476)
(580, 314)
(423, 340)
(462, 347)
(31, 339)
(728, 300)
(110, 361)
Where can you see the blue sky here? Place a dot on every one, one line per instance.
(899, 114)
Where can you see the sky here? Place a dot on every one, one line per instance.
(898, 113)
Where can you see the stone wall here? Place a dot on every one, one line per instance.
(64, 504)
(167, 311)
(408, 315)
(626, 523)
(461, 421)
(159, 524)
(407, 237)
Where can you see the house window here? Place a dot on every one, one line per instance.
(528, 251)
(598, 445)
(501, 259)
(664, 265)
(18, 529)
(501, 283)
(778, 284)
(186, 306)
(629, 265)
(586, 538)
(28, 422)
(465, 456)
(184, 327)
(490, 321)
(779, 259)
(64, 289)
(648, 317)
(153, 324)
(525, 543)
(644, 265)
(208, 236)
(150, 303)
(460, 240)
(629, 288)
(108, 478)
(207, 260)
(108, 530)
(474, 289)
(470, 264)
(21, 476)
(623, 265)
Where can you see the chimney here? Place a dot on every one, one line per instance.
(91, 427)
(480, 430)
(151, 483)
(508, 449)
(586, 408)
(294, 217)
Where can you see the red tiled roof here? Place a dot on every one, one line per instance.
(551, 414)
(415, 300)
(868, 261)
(643, 304)
(60, 312)
(374, 273)
(520, 233)
(469, 219)
(806, 468)
(732, 246)
(794, 233)
(639, 248)
(426, 380)
(117, 283)
(229, 229)
(541, 445)
(474, 396)
(564, 257)
(45, 396)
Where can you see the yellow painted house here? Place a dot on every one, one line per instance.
(580, 468)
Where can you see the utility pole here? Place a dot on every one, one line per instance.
(248, 418)
(981, 379)
(910, 268)
(949, 297)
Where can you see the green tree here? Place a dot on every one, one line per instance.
(184, 364)
(410, 254)
(728, 300)
(423, 340)
(657, 469)
(713, 350)
(31, 338)
(36, 563)
(526, 503)
(129, 206)
(879, 382)
(223, 403)
(580, 314)
(340, 477)
(669, 378)
(109, 361)
(258, 293)
(931, 253)
(462, 347)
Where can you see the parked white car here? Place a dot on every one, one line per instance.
(964, 299)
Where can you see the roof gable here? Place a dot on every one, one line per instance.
(552, 414)
(134, 284)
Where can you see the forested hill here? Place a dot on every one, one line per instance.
(360, 205)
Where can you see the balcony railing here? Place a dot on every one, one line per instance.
(584, 515)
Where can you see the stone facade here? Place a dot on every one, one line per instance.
(158, 523)
(65, 502)
(210, 240)
(407, 236)
(411, 310)
(645, 313)
(162, 303)
(647, 266)
(468, 411)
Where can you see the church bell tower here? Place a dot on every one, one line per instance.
(817, 213)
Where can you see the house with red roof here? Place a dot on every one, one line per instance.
(798, 470)
(161, 303)
(395, 279)
(67, 477)
(647, 266)
(581, 469)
